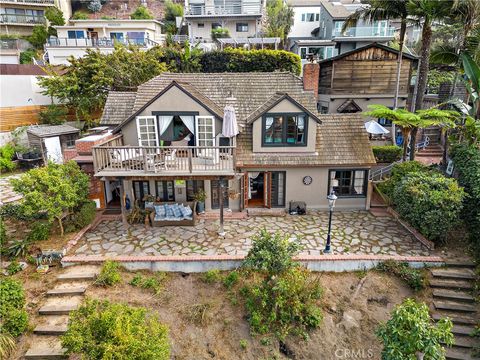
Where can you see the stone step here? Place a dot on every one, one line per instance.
(71, 277)
(458, 354)
(463, 330)
(454, 306)
(67, 291)
(462, 274)
(456, 318)
(45, 348)
(460, 264)
(465, 342)
(450, 284)
(50, 329)
(57, 309)
(453, 295)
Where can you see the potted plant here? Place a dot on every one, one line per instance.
(200, 197)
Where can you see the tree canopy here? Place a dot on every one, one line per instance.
(279, 19)
(172, 10)
(141, 13)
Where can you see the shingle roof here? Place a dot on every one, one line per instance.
(336, 11)
(118, 107)
(51, 130)
(342, 139)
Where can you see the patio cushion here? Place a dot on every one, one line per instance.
(177, 212)
(160, 211)
(186, 211)
(148, 204)
(169, 210)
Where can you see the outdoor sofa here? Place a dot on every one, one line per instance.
(173, 214)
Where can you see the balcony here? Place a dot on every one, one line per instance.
(30, 2)
(13, 19)
(227, 10)
(364, 33)
(113, 159)
(98, 43)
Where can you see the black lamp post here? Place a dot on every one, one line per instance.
(331, 204)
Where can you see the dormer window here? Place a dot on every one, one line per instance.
(287, 129)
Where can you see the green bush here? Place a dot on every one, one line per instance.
(387, 153)
(39, 231)
(154, 283)
(211, 276)
(285, 305)
(7, 153)
(141, 13)
(410, 331)
(54, 114)
(80, 15)
(429, 202)
(13, 268)
(467, 166)
(3, 233)
(104, 330)
(231, 279)
(39, 36)
(13, 317)
(415, 278)
(109, 275)
(220, 33)
(27, 56)
(85, 215)
(239, 60)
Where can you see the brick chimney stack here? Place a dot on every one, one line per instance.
(311, 74)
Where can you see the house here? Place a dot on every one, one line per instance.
(332, 19)
(349, 82)
(79, 35)
(241, 18)
(18, 17)
(53, 141)
(167, 142)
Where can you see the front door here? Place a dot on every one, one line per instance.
(94, 37)
(141, 189)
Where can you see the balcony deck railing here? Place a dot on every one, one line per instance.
(365, 31)
(101, 42)
(111, 159)
(241, 9)
(30, 2)
(21, 19)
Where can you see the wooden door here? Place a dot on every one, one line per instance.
(246, 186)
(267, 186)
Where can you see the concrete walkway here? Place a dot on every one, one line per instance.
(7, 195)
(356, 232)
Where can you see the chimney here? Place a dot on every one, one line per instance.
(311, 74)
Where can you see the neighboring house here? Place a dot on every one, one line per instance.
(168, 143)
(242, 19)
(18, 17)
(332, 18)
(349, 82)
(53, 141)
(79, 35)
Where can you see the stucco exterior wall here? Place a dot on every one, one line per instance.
(303, 29)
(206, 32)
(284, 106)
(21, 90)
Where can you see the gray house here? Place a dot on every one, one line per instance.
(168, 143)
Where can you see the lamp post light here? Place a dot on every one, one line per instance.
(331, 204)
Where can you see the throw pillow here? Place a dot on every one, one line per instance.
(177, 212)
(169, 210)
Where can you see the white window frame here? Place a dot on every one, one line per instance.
(154, 119)
(198, 120)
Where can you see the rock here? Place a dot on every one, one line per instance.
(350, 319)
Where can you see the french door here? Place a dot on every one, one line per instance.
(205, 130)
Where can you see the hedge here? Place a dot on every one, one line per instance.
(430, 202)
(399, 171)
(14, 317)
(467, 166)
(387, 153)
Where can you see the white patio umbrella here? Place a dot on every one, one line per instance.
(375, 128)
(229, 127)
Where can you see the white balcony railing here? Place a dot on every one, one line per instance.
(240, 9)
(101, 42)
(167, 160)
(29, 2)
(21, 19)
(364, 31)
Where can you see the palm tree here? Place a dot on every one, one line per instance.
(384, 10)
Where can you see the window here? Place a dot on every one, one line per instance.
(348, 183)
(76, 34)
(242, 27)
(309, 17)
(136, 37)
(322, 108)
(312, 50)
(278, 188)
(285, 130)
(338, 28)
(216, 26)
(164, 190)
(141, 189)
(201, 25)
(193, 186)
(147, 130)
(205, 131)
(384, 122)
(215, 184)
(329, 52)
(317, 17)
(70, 141)
(118, 36)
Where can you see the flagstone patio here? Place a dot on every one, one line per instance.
(356, 232)
(7, 194)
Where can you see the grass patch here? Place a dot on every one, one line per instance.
(415, 278)
(198, 314)
(109, 275)
(154, 283)
(211, 276)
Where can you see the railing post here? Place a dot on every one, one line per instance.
(190, 165)
(145, 163)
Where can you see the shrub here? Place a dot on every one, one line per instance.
(104, 330)
(39, 231)
(141, 13)
(410, 331)
(413, 277)
(54, 114)
(398, 172)
(109, 275)
(219, 33)
(27, 56)
(14, 318)
(80, 15)
(211, 276)
(7, 153)
(55, 16)
(3, 233)
(154, 283)
(7, 345)
(231, 279)
(85, 215)
(271, 254)
(39, 36)
(285, 304)
(13, 268)
(18, 248)
(429, 202)
(387, 153)
(467, 166)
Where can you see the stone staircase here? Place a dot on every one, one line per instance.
(66, 296)
(452, 296)
(432, 150)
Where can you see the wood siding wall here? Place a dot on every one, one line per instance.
(13, 117)
(372, 71)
